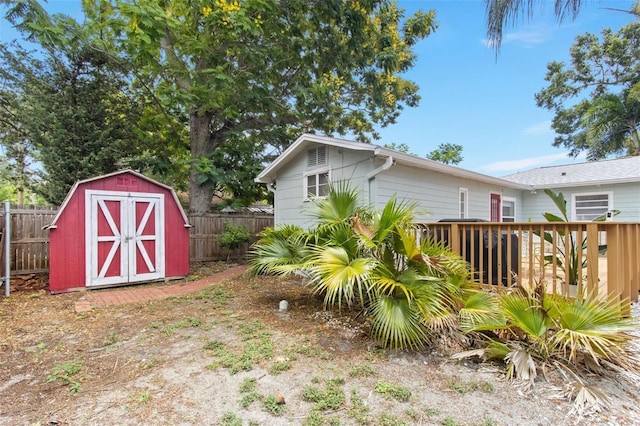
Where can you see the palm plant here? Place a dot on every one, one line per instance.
(569, 260)
(279, 252)
(530, 329)
(356, 255)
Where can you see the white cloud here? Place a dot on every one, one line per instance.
(528, 36)
(542, 128)
(525, 163)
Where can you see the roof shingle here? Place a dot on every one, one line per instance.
(596, 172)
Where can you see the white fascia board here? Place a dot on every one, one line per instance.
(268, 175)
(427, 164)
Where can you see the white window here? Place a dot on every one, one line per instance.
(463, 205)
(508, 209)
(317, 156)
(587, 207)
(316, 184)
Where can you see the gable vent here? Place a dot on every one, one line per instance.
(317, 156)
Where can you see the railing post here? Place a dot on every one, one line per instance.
(613, 259)
(454, 239)
(592, 257)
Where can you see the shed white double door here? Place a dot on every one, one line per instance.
(124, 237)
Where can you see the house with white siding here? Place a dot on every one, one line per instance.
(442, 191)
(590, 189)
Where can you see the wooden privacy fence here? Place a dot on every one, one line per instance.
(568, 258)
(30, 242)
(203, 241)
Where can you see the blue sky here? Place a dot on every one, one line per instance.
(470, 97)
(485, 104)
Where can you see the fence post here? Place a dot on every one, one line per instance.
(7, 247)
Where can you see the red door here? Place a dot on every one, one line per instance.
(496, 208)
(124, 234)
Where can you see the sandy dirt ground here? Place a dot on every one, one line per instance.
(229, 356)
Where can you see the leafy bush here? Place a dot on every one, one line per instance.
(233, 237)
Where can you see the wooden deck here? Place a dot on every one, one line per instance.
(502, 255)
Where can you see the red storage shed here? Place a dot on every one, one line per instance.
(117, 229)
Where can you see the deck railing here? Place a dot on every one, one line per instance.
(568, 258)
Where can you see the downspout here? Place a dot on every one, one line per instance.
(372, 174)
(272, 189)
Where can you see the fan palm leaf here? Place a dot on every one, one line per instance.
(395, 214)
(396, 323)
(524, 312)
(279, 252)
(589, 325)
(338, 206)
(340, 277)
(481, 312)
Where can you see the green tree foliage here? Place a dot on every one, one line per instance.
(447, 153)
(18, 149)
(596, 99)
(247, 74)
(70, 107)
(400, 147)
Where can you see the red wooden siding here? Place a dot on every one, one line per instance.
(68, 259)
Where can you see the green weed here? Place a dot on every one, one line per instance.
(272, 406)
(279, 367)
(449, 421)
(170, 329)
(254, 351)
(255, 330)
(362, 370)
(67, 374)
(430, 412)
(230, 419)
(390, 420)
(112, 339)
(331, 398)
(248, 385)
(248, 399)
(465, 387)
(217, 296)
(142, 397)
(389, 391)
(315, 418)
(310, 351)
(358, 410)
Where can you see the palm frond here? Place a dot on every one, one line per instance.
(339, 277)
(388, 281)
(394, 214)
(481, 312)
(590, 325)
(279, 252)
(586, 399)
(521, 365)
(339, 206)
(396, 323)
(523, 311)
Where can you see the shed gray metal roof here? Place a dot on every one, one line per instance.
(621, 170)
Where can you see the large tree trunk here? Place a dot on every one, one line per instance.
(199, 196)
